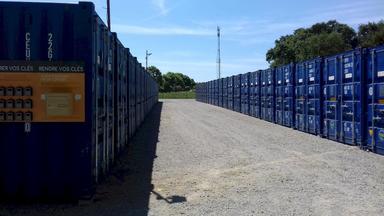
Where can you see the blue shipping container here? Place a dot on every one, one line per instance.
(375, 81)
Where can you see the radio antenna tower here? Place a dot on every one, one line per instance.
(218, 54)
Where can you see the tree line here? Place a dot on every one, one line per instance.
(171, 81)
(324, 39)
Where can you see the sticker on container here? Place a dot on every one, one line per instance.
(380, 73)
(381, 134)
(287, 80)
(348, 65)
(279, 82)
(311, 78)
(263, 83)
(331, 78)
(370, 91)
(269, 82)
(311, 70)
(346, 60)
(300, 80)
(325, 91)
(348, 75)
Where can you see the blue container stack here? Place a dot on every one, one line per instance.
(62, 159)
(237, 93)
(313, 70)
(268, 95)
(375, 81)
(339, 97)
(225, 93)
(220, 87)
(245, 93)
(230, 89)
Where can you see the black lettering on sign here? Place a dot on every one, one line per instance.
(41, 67)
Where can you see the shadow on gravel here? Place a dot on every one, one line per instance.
(125, 192)
(170, 199)
(134, 170)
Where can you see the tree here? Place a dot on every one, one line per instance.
(177, 82)
(321, 39)
(156, 74)
(371, 34)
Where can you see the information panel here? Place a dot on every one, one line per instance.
(42, 91)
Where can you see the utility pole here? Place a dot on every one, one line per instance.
(218, 54)
(109, 15)
(147, 54)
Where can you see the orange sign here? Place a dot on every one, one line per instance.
(42, 96)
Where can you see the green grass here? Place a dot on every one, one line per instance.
(178, 95)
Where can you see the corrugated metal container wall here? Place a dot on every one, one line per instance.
(213, 86)
(209, 92)
(284, 90)
(132, 94)
(279, 92)
(54, 159)
(375, 72)
(267, 95)
(198, 92)
(251, 94)
(245, 93)
(301, 95)
(120, 104)
(216, 92)
(137, 93)
(220, 92)
(314, 106)
(254, 96)
(237, 93)
(230, 86)
(64, 78)
(225, 92)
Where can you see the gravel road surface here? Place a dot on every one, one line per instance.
(190, 158)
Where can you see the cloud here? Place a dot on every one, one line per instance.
(160, 5)
(142, 30)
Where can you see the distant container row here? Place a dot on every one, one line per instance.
(339, 97)
(71, 97)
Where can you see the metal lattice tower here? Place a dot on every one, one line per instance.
(218, 61)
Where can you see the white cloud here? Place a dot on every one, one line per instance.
(142, 30)
(160, 5)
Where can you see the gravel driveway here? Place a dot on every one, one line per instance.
(191, 158)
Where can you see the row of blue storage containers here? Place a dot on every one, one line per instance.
(64, 159)
(338, 97)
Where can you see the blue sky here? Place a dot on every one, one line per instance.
(181, 34)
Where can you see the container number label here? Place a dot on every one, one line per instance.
(331, 78)
(380, 73)
(287, 80)
(300, 80)
(279, 82)
(311, 78)
(348, 75)
(50, 46)
(28, 46)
